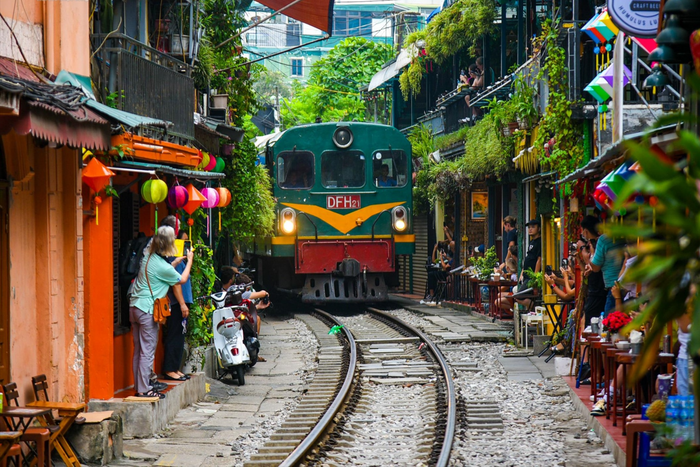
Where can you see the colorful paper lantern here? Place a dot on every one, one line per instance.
(177, 197)
(196, 198)
(220, 164)
(154, 191)
(212, 198)
(212, 163)
(96, 175)
(205, 161)
(224, 197)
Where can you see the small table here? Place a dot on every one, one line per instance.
(494, 289)
(68, 411)
(26, 415)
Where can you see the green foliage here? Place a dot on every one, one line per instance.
(204, 67)
(460, 26)
(252, 208)
(112, 99)
(534, 279)
(422, 142)
(202, 278)
(269, 84)
(567, 153)
(667, 261)
(333, 89)
(485, 265)
(486, 153)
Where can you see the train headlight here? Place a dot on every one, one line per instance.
(399, 218)
(288, 222)
(342, 137)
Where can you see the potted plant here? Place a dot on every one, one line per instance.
(534, 280)
(180, 40)
(485, 265)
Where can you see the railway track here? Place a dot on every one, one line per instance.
(382, 395)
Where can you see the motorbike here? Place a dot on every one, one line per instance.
(235, 333)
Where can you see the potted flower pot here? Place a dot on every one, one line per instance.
(219, 101)
(180, 45)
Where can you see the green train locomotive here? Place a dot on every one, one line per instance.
(343, 193)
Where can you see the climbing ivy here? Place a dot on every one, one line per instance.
(563, 137)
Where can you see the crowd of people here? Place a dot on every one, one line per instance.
(165, 272)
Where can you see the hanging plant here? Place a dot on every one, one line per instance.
(460, 26)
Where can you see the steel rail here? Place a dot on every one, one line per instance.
(325, 422)
(444, 457)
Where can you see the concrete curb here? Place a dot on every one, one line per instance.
(593, 423)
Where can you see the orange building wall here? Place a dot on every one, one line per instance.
(46, 328)
(66, 31)
(99, 300)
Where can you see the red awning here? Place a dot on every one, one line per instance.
(92, 132)
(316, 13)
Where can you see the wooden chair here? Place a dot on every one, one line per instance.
(10, 448)
(41, 393)
(40, 436)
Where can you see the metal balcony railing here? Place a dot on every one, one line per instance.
(144, 81)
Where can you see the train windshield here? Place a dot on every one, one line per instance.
(343, 169)
(389, 168)
(295, 170)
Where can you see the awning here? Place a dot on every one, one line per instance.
(393, 68)
(153, 150)
(50, 120)
(538, 176)
(316, 13)
(595, 166)
(165, 169)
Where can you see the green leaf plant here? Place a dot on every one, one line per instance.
(484, 265)
(567, 151)
(664, 233)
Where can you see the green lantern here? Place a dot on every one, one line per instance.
(154, 191)
(220, 164)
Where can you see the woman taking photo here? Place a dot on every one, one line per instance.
(155, 277)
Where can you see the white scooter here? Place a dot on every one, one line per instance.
(235, 339)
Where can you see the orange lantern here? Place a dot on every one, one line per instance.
(196, 198)
(224, 200)
(96, 175)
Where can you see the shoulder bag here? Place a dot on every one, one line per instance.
(161, 306)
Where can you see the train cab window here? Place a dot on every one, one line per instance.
(343, 169)
(295, 170)
(389, 168)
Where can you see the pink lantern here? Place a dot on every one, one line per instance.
(212, 198)
(177, 197)
(212, 163)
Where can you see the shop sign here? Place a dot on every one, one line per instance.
(639, 18)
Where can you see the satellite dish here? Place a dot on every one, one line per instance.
(434, 157)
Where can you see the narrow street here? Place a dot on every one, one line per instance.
(539, 424)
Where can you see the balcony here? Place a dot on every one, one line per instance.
(144, 81)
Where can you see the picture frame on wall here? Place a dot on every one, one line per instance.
(479, 205)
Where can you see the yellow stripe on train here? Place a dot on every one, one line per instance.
(290, 240)
(343, 223)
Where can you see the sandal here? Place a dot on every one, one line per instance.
(261, 359)
(150, 393)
